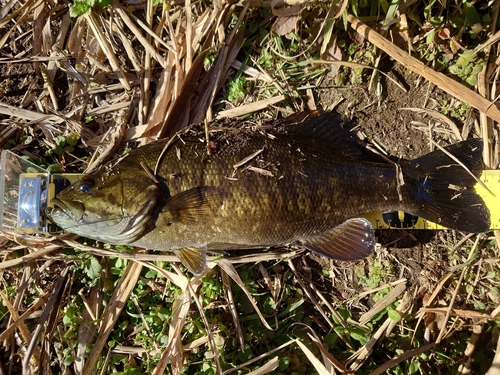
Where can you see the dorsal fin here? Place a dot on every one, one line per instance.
(330, 128)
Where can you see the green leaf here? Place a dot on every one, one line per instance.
(284, 363)
(479, 305)
(151, 274)
(59, 150)
(413, 368)
(54, 168)
(93, 269)
(454, 69)
(72, 316)
(60, 140)
(237, 89)
(471, 80)
(245, 354)
(355, 7)
(124, 248)
(290, 308)
(430, 37)
(330, 340)
(164, 314)
(436, 21)
(428, 9)
(466, 57)
(394, 315)
(81, 7)
(384, 4)
(360, 336)
(68, 360)
(391, 12)
(103, 3)
(471, 15)
(72, 139)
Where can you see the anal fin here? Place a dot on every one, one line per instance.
(194, 258)
(352, 240)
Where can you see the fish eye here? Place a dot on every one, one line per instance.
(86, 185)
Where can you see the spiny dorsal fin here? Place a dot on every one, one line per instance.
(352, 240)
(195, 259)
(328, 127)
(192, 206)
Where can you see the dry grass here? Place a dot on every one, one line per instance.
(135, 72)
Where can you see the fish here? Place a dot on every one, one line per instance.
(303, 180)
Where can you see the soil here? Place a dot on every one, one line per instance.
(400, 133)
(15, 80)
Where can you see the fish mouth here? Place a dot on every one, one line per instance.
(73, 210)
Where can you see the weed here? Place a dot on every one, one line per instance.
(63, 145)
(237, 90)
(362, 55)
(81, 7)
(468, 66)
(458, 110)
(377, 273)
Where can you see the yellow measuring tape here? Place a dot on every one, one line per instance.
(402, 220)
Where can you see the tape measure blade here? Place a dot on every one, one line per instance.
(491, 194)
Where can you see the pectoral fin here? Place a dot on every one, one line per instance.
(192, 206)
(352, 240)
(195, 259)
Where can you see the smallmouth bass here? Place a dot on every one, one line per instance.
(299, 180)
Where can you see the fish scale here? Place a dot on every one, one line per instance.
(303, 180)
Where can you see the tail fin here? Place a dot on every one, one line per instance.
(445, 191)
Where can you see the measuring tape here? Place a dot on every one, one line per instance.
(403, 220)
